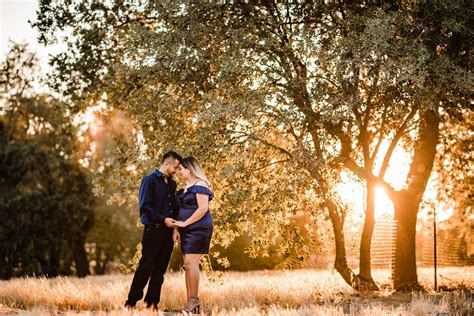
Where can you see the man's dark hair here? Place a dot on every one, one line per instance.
(172, 154)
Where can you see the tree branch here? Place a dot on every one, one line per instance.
(271, 164)
(381, 130)
(267, 143)
(395, 140)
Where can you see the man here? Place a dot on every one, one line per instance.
(158, 211)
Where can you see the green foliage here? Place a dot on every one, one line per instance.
(45, 196)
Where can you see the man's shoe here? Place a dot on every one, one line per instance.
(152, 306)
(129, 305)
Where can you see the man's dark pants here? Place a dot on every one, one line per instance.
(157, 246)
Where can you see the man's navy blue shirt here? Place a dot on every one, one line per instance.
(157, 199)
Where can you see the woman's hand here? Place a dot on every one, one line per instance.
(176, 236)
(180, 224)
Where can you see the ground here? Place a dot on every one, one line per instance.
(294, 292)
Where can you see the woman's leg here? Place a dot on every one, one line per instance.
(186, 277)
(191, 263)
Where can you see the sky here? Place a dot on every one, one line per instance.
(14, 16)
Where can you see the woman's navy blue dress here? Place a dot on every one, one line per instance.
(195, 238)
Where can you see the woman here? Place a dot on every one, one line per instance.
(194, 226)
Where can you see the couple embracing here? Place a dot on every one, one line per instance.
(169, 216)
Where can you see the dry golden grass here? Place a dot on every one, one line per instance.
(296, 292)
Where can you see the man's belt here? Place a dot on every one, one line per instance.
(155, 225)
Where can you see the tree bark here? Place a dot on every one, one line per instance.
(366, 239)
(80, 257)
(407, 202)
(405, 276)
(340, 263)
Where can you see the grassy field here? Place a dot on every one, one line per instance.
(295, 292)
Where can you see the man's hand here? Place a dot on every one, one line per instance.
(176, 236)
(170, 222)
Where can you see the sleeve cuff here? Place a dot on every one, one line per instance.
(144, 220)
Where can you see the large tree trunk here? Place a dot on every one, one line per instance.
(405, 277)
(80, 257)
(366, 239)
(407, 203)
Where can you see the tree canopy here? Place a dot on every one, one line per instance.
(276, 99)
